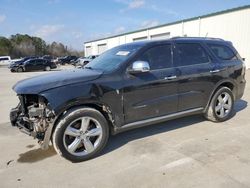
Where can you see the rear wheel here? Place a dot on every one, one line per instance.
(81, 134)
(221, 106)
(47, 68)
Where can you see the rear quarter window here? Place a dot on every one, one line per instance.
(223, 52)
(4, 59)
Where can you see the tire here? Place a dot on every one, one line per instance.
(81, 134)
(47, 68)
(220, 109)
(20, 69)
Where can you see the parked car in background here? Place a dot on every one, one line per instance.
(66, 59)
(33, 65)
(19, 61)
(75, 61)
(84, 60)
(5, 60)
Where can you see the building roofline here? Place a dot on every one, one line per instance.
(172, 23)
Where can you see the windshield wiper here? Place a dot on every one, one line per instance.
(91, 68)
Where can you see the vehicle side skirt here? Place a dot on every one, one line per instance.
(155, 120)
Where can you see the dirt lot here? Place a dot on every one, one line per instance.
(188, 152)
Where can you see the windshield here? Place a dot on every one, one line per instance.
(113, 58)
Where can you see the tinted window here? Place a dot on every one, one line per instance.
(222, 52)
(158, 57)
(30, 62)
(190, 54)
(4, 59)
(40, 61)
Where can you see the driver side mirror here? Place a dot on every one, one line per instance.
(139, 67)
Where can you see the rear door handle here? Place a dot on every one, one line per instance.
(170, 77)
(215, 71)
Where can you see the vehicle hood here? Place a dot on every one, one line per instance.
(48, 81)
(16, 63)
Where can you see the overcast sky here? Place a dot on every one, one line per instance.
(75, 21)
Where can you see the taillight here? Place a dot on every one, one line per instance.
(243, 68)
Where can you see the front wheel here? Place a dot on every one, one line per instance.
(221, 106)
(81, 134)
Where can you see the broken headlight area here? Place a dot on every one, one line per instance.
(32, 116)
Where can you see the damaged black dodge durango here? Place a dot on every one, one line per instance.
(129, 86)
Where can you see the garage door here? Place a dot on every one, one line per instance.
(160, 36)
(88, 51)
(102, 48)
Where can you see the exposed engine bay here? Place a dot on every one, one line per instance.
(34, 118)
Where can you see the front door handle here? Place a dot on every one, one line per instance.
(170, 77)
(215, 71)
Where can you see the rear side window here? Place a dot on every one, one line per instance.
(31, 62)
(40, 61)
(4, 59)
(158, 57)
(223, 52)
(190, 54)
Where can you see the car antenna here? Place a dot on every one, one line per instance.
(206, 35)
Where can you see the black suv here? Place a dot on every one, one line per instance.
(129, 86)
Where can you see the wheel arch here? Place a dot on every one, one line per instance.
(21, 67)
(225, 83)
(102, 108)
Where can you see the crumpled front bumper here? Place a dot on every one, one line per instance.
(14, 113)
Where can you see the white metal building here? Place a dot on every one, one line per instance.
(232, 24)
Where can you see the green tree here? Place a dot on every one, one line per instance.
(24, 45)
(5, 46)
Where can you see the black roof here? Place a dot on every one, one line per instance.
(195, 39)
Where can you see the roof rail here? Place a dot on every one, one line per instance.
(210, 38)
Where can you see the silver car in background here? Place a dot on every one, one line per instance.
(82, 61)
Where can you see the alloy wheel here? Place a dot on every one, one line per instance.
(223, 105)
(82, 136)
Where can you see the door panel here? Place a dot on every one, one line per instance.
(154, 93)
(195, 78)
(150, 95)
(195, 85)
(40, 64)
(30, 66)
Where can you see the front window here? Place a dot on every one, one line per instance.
(158, 57)
(113, 58)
